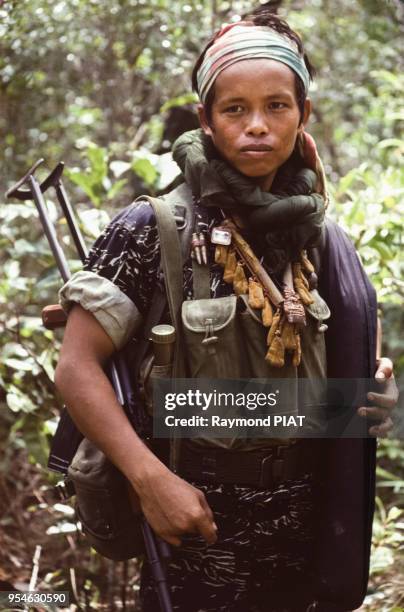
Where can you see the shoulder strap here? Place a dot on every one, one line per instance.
(172, 265)
(171, 255)
(177, 206)
(181, 203)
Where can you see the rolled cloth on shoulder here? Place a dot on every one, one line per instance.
(243, 41)
(289, 220)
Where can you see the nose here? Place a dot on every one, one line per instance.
(257, 124)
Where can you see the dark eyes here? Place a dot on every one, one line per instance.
(238, 108)
(277, 105)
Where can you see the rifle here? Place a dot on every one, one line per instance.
(53, 317)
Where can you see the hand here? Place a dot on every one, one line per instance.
(384, 402)
(174, 507)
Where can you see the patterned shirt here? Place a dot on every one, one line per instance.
(128, 254)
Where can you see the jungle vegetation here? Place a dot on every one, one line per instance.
(105, 87)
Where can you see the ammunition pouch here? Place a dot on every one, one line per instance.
(104, 507)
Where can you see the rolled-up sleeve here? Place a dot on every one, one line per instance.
(119, 275)
(116, 313)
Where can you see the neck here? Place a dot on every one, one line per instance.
(265, 182)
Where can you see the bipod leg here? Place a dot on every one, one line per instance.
(55, 180)
(49, 229)
(71, 220)
(35, 193)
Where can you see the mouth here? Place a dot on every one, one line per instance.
(255, 151)
(259, 148)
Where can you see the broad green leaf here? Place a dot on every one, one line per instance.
(26, 365)
(98, 162)
(19, 402)
(86, 182)
(116, 188)
(12, 269)
(145, 170)
(382, 558)
(394, 513)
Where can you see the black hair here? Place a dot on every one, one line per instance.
(262, 16)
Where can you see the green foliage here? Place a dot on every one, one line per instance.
(93, 85)
(370, 206)
(183, 100)
(94, 181)
(388, 536)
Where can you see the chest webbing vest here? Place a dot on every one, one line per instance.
(223, 337)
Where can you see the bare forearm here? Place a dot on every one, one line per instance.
(93, 406)
(171, 505)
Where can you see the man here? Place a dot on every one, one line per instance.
(238, 545)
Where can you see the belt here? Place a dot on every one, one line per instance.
(261, 468)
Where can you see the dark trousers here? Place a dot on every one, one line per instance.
(260, 562)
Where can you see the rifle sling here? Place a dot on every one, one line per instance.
(180, 202)
(172, 267)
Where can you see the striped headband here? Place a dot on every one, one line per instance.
(237, 42)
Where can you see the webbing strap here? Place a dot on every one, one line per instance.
(181, 199)
(172, 265)
(158, 304)
(178, 198)
(201, 280)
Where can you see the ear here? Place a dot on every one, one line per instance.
(306, 114)
(203, 120)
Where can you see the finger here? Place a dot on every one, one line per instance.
(381, 430)
(373, 412)
(384, 369)
(173, 540)
(207, 528)
(385, 400)
(207, 509)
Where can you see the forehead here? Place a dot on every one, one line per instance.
(250, 77)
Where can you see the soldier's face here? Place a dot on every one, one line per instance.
(255, 117)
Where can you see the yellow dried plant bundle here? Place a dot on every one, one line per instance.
(297, 355)
(307, 265)
(274, 327)
(298, 274)
(305, 281)
(254, 265)
(267, 313)
(230, 267)
(240, 282)
(289, 336)
(303, 292)
(221, 252)
(255, 294)
(276, 352)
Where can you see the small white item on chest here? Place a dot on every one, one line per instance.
(220, 235)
